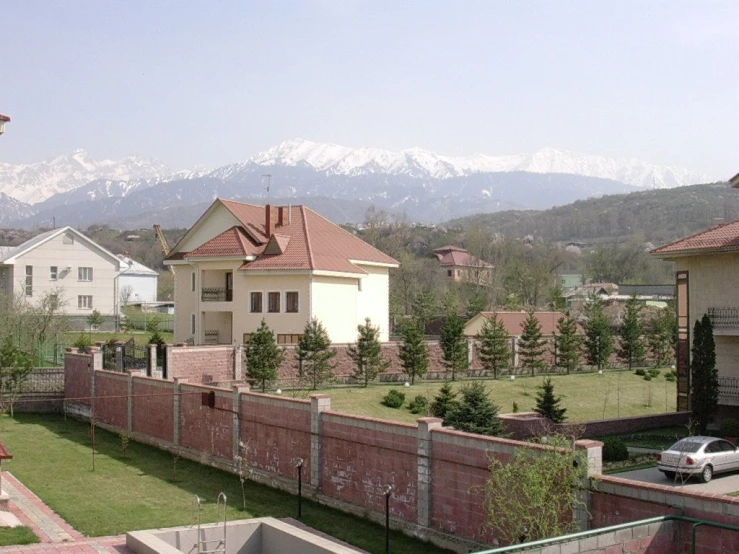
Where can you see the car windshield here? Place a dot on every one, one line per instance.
(687, 445)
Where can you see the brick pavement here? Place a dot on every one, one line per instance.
(56, 536)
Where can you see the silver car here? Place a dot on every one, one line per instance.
(702, 456)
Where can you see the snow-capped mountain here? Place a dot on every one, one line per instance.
(34, 183)
(415, 162)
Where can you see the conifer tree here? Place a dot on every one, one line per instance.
(476, 413)
(704, 386)
(547, 404)
(454, 344)
(444, 402)
(494, 349)
(314, 354)
(367, 353)
(631, 344)
(661, 337)
(413, 352)
(424, 306)
(263, 356)
(598, 338)
(531, 346)
(568, 343)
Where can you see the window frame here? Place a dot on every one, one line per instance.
(252, 296)
(81, 304)
(28, 281)
(276, 296)
(54, 273)
(297, 302)
(192, 324)
(192, 282)
(83, 271)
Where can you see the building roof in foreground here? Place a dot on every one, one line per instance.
(300, 239)
(719, 238)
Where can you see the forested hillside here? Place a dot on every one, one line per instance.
(659, 216)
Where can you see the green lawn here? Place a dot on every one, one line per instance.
(587, 396)
(16, 535)
(52, 457)
(658, 439)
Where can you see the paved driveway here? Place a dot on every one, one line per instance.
(724, 483)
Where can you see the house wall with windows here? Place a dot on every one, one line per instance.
(82, 275)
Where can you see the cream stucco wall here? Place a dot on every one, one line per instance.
(373, 300)
(335, 303)
(55, 252)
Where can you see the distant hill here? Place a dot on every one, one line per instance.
(659, 215)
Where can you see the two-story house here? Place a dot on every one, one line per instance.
(458, 265)
(707, 282)
(63, 262)
(242, 263)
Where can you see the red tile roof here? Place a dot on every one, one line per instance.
(305, 240)
(4, 117)
(513, 321)
(719, 238)
(231, 243)
(453, 256)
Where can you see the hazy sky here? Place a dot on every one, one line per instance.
(211, 83)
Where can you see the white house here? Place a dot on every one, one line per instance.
(242, 263)
(65, 263)
(137, 284)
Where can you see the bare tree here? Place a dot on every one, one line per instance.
(125, 294)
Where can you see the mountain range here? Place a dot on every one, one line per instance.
(338, 181)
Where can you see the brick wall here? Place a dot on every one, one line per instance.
(277, 431)
(113, 411)
(362, 455)
(153, 408)
(77, 376)
(204, 429)
(201, 364)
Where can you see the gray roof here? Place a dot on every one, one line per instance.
(7, 252)
(647, 290)
(132, 267)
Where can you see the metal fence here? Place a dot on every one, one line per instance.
(728, 386)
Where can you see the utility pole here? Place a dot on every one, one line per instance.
(3, 120)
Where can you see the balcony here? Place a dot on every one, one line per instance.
(216, 294)
(725, 320)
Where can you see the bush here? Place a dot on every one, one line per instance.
(729, 428)
(418, 405)
(641, 372)
(515, 407)
(653, 373)
(614, 450)
(82, 342)
(671, 376)
(393, 399)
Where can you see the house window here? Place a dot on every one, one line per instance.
(84, 274)
(273, 303)
(192, 324)
(29, 280)
(448, 272)
(256, 303)
(192, 281)
(54, 301)
(288, 339)
(53, 273)
(84, 302)
(291, 301)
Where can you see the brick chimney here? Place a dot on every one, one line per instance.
(269, 226)
(280, 216)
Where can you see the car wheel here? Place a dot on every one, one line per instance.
(670, 475)
(707, 474)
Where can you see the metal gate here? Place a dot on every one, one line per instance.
(135, 356)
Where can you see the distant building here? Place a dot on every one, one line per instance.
(576, 297)
(570, 280)
(137, 283)
(458, 265)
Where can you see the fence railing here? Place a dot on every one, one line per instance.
(728, 386)
(216, 294)
(724, 317)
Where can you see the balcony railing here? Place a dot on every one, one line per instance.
(728, 386)
(724, 317)
(216, 294)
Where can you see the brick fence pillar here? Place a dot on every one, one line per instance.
(238, 362)
(129, 403)
(593, 451)
(151, 365)
(425, 426)
(176, 419)
(238, 390)
(318, 403)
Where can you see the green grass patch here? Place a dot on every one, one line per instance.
(657, 439)
(629, 467)
(53, 458)
(587, 396)
(140, 337)
(10, 536)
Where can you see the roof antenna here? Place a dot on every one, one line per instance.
(269, 182)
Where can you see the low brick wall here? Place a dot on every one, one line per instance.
(203, 364)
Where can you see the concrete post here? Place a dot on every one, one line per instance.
(470, 352)
(177, 394)
(97, 359)
(318, 403)
(423, 498)
(152, 365)
(238, 362)
(514, 349)
(129, 401)
(594, 453)
(238, 390)
(119, 358)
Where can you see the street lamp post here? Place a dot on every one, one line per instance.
(388, 493)
(299, 464)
